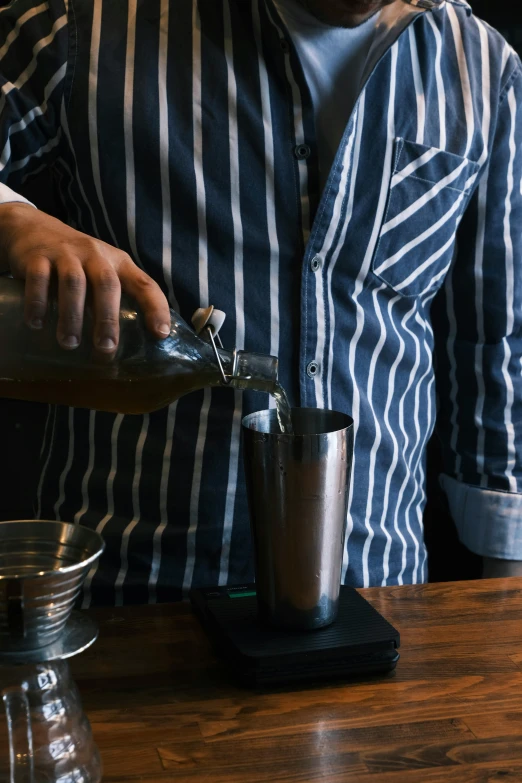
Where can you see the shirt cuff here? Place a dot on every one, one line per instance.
(8, 196)
(489, 522)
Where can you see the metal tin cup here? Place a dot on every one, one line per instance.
(43, 565)
(297, 489)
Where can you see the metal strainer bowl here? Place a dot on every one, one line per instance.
(42, 569)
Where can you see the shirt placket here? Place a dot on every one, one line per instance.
(315, 215)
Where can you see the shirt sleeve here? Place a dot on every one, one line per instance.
(477, 320)
(33, 69)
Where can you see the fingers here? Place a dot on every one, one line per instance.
(37, 280)
(42, 247)
(149, 296)
(106, 293)
(72, 287)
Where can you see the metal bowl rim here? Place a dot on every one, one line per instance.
(62, 569)
(285, 436)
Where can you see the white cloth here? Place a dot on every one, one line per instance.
(8, 196)
(333, 60)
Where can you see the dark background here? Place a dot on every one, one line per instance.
(504, 15)
(22, 424)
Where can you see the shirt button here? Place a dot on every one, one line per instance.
(312, 370)
(316, 263)
(285, 46)
(302, 151)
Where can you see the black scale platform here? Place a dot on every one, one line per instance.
(361, 641)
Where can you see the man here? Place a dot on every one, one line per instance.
(343, 179)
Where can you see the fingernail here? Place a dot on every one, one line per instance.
(106, 344)
(164, 329)
(36, 323)
(70, 341)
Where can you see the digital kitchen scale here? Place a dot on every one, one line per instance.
(360, 641)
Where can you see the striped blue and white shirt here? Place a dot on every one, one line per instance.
(184, 134)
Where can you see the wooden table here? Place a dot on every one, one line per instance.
(162, 708)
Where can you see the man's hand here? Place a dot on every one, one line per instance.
(34, 246)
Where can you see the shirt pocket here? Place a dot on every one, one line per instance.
(429, 191)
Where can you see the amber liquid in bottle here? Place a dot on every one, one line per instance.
(144, 375)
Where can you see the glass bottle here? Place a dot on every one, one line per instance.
(144, 375)
(45, 737)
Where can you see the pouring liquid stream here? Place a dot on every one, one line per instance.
(284, 412)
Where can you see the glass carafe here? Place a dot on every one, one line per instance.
(44, 735)
(144, 375)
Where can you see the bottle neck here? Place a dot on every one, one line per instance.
(239, 369)
(254, 371)
(220, 367)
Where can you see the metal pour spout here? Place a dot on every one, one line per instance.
(248, 370)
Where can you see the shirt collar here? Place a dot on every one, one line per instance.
(430, 5)
(394, 19)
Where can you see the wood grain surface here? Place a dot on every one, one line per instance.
(163, 709)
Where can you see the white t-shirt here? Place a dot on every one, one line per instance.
(333, 60)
